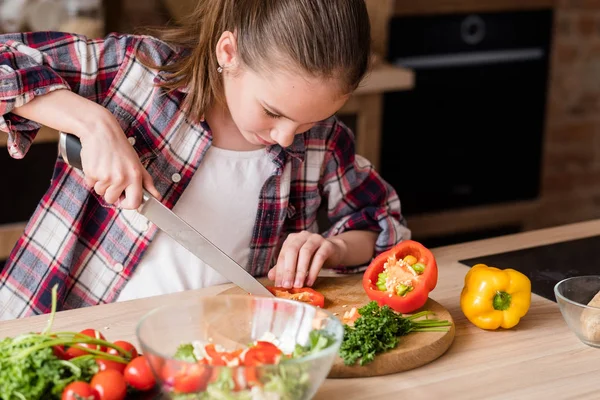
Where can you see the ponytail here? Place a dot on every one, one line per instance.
(198, 34)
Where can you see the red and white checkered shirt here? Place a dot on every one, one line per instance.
(91, 249)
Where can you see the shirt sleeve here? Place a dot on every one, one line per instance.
(36, 63)
(358, 198)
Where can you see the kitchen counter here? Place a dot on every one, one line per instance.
(538, 359)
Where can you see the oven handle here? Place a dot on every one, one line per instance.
(470, 59)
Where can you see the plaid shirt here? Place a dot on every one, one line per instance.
(91, 248)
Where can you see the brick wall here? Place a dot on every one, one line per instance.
(571, 166)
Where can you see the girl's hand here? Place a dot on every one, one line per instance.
(111, 165)
(301, 258)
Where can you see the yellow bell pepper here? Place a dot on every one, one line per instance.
(493, 298)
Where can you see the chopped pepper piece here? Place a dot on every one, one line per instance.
(305, 295)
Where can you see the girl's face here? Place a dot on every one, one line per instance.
(272, 107)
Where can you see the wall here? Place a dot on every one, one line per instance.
(571, 169)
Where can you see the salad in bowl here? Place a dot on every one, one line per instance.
(240, 347)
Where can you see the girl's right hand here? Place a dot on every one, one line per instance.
(111, 165)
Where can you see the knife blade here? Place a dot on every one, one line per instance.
(176, 228)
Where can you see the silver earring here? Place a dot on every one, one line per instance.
(220, 69)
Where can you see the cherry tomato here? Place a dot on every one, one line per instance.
(138, 374)
(59, 350)
(79, 391)
(125, 346)
(73, 352)
(189, 378)
(110, 384)
(103, 365)
(60, 353)
(94, 334)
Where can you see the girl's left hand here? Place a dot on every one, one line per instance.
(301, 258)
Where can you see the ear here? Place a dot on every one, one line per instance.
(226, 51)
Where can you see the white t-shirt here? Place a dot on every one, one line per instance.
(220, 202)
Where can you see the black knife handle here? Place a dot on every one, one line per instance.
(69, 147)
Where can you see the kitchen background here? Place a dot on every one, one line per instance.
(483, 114)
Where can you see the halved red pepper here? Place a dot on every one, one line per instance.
(305, 294)
(402, 277)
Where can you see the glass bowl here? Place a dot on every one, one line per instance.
(233, 322)
(573, 296)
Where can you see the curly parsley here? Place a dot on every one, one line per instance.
(39, 374)
(378, 329)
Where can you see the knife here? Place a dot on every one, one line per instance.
(70, 150)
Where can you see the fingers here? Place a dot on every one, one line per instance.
(286, 269)
(112, 168)
(90, 182)
(286, 265)
(272, 275)
(301, 259)
(149, 184)
(306, 253)
(133, 196)
(112, 194)
(325, 251)
(100, 187)
(124, 191)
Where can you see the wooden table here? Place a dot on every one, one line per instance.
(538, 359)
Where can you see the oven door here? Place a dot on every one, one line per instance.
(471, 131)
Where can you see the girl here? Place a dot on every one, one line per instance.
(227, 119)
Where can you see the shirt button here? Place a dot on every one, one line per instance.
(175, 177)
(118, 267)
(131, 140)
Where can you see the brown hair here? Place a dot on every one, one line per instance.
(324, 38)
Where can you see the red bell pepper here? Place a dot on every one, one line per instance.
(402, 277)
(305, 294)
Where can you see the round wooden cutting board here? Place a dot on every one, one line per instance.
(414, 350)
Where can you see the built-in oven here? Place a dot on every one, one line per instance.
(471, 131)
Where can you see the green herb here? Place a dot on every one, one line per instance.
(39, 374)
(378, 329)
(185, 352)
(317, 341)
(29, 369)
